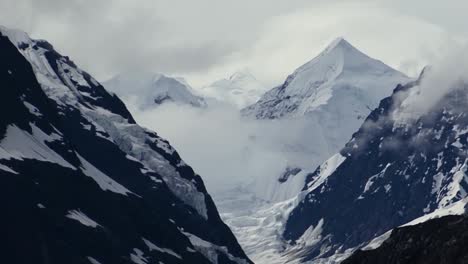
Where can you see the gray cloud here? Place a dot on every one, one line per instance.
(207, 39)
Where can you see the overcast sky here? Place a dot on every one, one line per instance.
(205, 40)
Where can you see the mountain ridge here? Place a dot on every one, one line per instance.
(147, 90)
(96, 186)
(389, 175)
(311, 85)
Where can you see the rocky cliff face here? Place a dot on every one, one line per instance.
(392, 171)
(83, 183)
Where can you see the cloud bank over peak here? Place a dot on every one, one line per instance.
(206, 39)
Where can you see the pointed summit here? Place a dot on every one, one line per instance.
(339, 56)
(339, 42)
(341, 83)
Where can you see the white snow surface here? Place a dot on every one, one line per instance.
(331, 95)
(259, 224)
(105, 182)
(240, 89)
(338, 72)
(210, 250)
(147, 90)
(20, 144)
(151, 246)
(138, 257)
(82, 218)
(7, 169)
(325, 170)
(457, 208)
(131, 138)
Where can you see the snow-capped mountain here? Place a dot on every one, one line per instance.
(147, 90)
(83, 183)
(341, 76)
(330, 96)
(335, 91)
(392, 171)
(240, 89)
(325, 101)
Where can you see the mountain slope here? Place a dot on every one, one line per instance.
(438, 241)
(318, 107)
(389, 173)
(83, 183)
(240, 89)
(147, 90)
(333, 93)
(330, 96)
(339, 73)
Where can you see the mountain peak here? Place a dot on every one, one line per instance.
(242, 74)
(148, 89)
(15, 35)
(310, 87)
(341, 56)
(339, 42)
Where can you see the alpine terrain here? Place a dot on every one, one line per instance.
(330, 96)
(402, 167)
(83, 183)
(241, 89)
(147, 90)
(335, 92)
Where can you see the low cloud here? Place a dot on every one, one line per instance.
(447, 73)
(207, 39)
(229, 150)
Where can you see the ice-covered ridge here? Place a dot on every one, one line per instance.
(339, 67)
(61, 128)
(147, 90)
(69, 86)
(325, 170)
(457, 208)
(340, 62)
